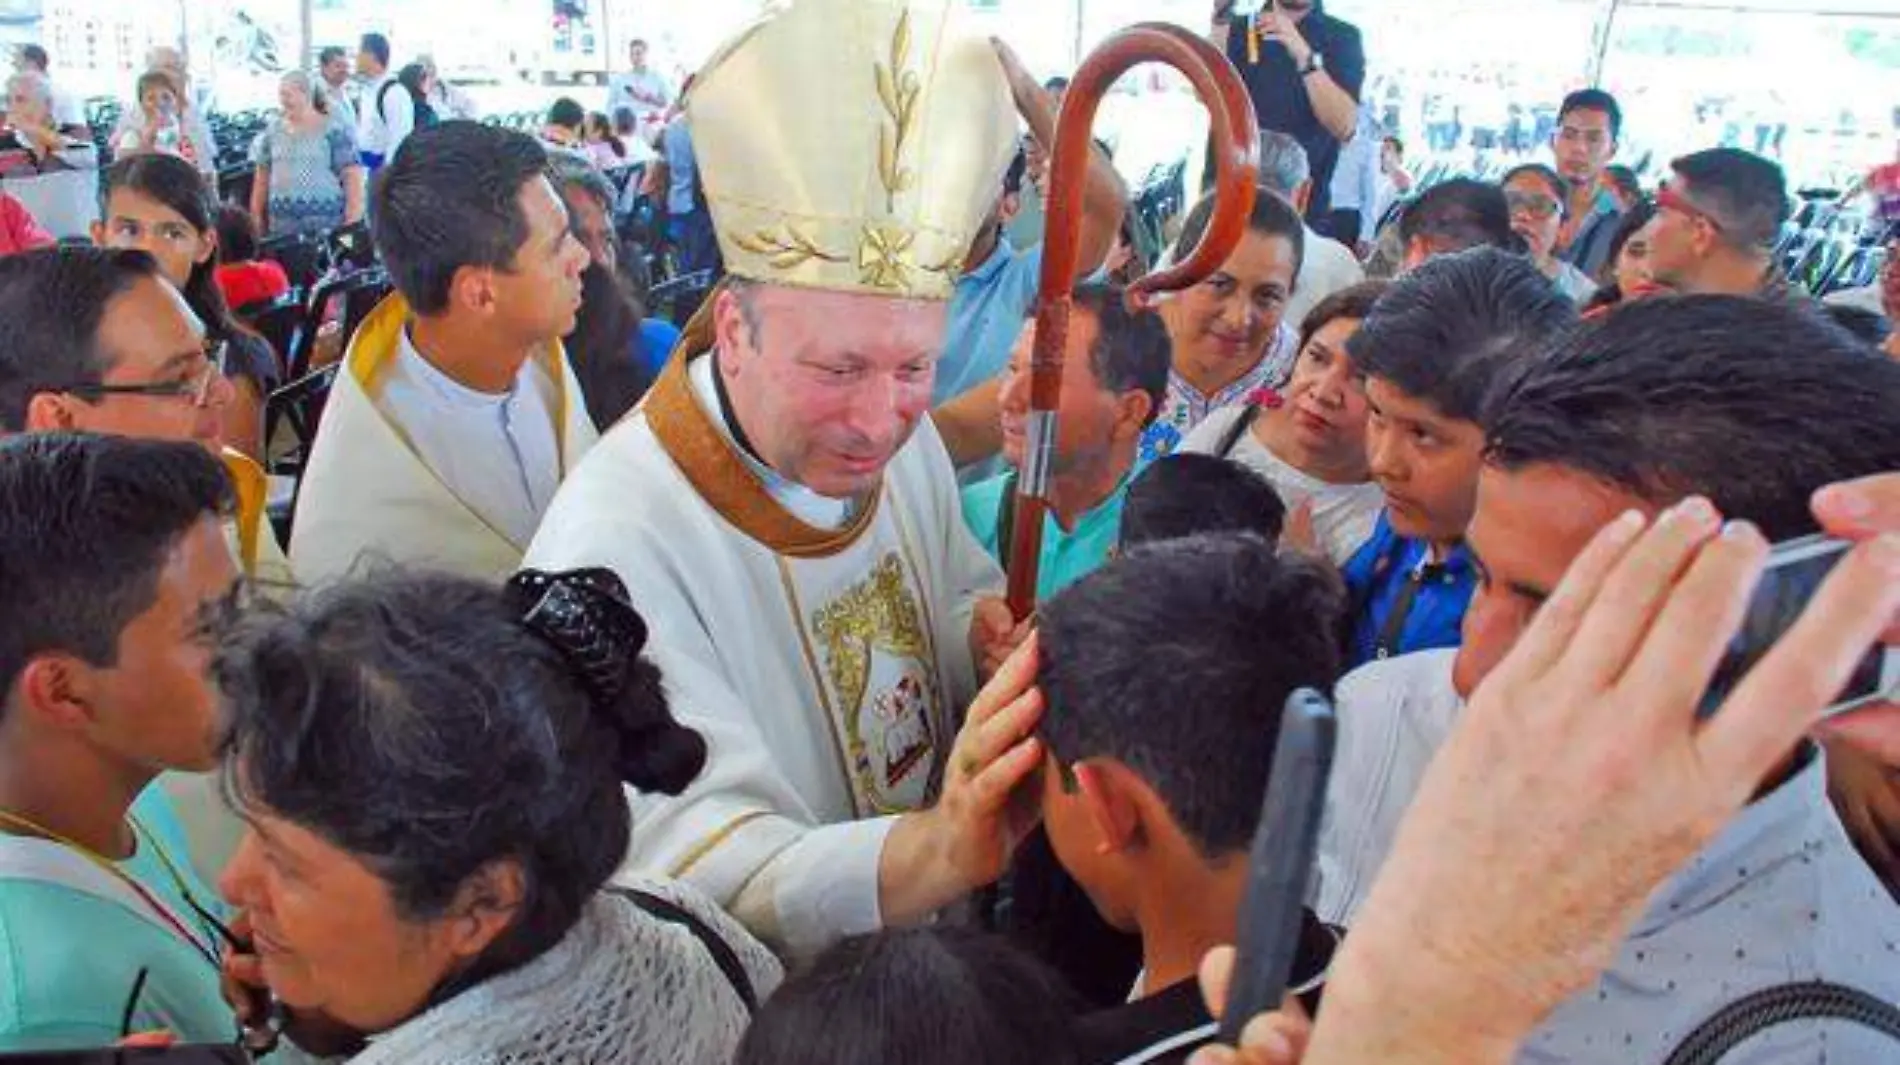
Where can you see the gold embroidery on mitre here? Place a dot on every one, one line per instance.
(897, 88)
(879, 614)
(785, 252)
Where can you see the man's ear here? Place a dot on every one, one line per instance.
(1133, 411)
(473, 289)
(1112, 805)
(732, 334)
(49, 412)
(56, 689)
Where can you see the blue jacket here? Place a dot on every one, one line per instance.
(1400, 602)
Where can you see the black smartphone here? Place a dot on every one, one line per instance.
(1280, 864)
(1794, 572)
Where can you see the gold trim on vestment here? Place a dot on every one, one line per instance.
(832, 717)
(712, 843)
(376, 344)
(719, 473)
(251, 487)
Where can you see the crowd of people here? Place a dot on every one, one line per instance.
(619, 690)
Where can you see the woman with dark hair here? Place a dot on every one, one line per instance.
(1230, 334)
(160, 204)
(1309, 440)
(432, 773)
(603, 147)
(921, 996)
(1626, 274)
(612, 348)
(244, 279)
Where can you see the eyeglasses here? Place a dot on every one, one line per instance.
(1669, 199)
(196, 387)
(1532, 204)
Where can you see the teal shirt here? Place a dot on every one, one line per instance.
(1067, 557)
(69, 960)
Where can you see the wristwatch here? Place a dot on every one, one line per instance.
(1314, 64)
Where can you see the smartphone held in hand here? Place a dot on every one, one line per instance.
(1280, 865)
(1795, 571)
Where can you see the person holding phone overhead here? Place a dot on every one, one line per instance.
(1304, 69)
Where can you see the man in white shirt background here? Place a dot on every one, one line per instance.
(1326, 265)
(456, 416)
(386, 111)
(641, 90)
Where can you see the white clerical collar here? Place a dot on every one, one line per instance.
(820, 512)
(417, 368)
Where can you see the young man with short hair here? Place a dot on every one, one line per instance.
(1151, 808)
(1589, 128)
(1115, 375)
(1716, 224)
(388, 113)
(1665, 407)
(456, 415)
(116, 575)
(1431, 348)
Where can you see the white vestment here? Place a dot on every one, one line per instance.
(368, 496)
(827, 669)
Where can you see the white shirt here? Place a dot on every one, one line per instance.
(1393, 715)
(1343, 514)
(497, 453)
(383, 128)
(1326, 267)
(67, 109)
(1780, 896)
(342, 108)
(620, 93)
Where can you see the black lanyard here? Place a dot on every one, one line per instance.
(1389, 636)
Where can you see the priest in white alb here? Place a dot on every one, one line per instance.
(781, 509)
(455, 414)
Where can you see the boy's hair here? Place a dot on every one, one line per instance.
(1176, 661)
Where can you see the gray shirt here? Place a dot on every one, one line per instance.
(1779, 896)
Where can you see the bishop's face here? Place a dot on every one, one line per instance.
(828, 386)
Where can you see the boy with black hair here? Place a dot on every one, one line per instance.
(1187, 494)
(1430, 349)
(1453, 216)
(116, 572)
(1152, 809)
(456, 415)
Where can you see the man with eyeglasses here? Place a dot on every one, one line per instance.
(96, 340)
(1589, 125)
(1304, 69)
(1716, 225)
